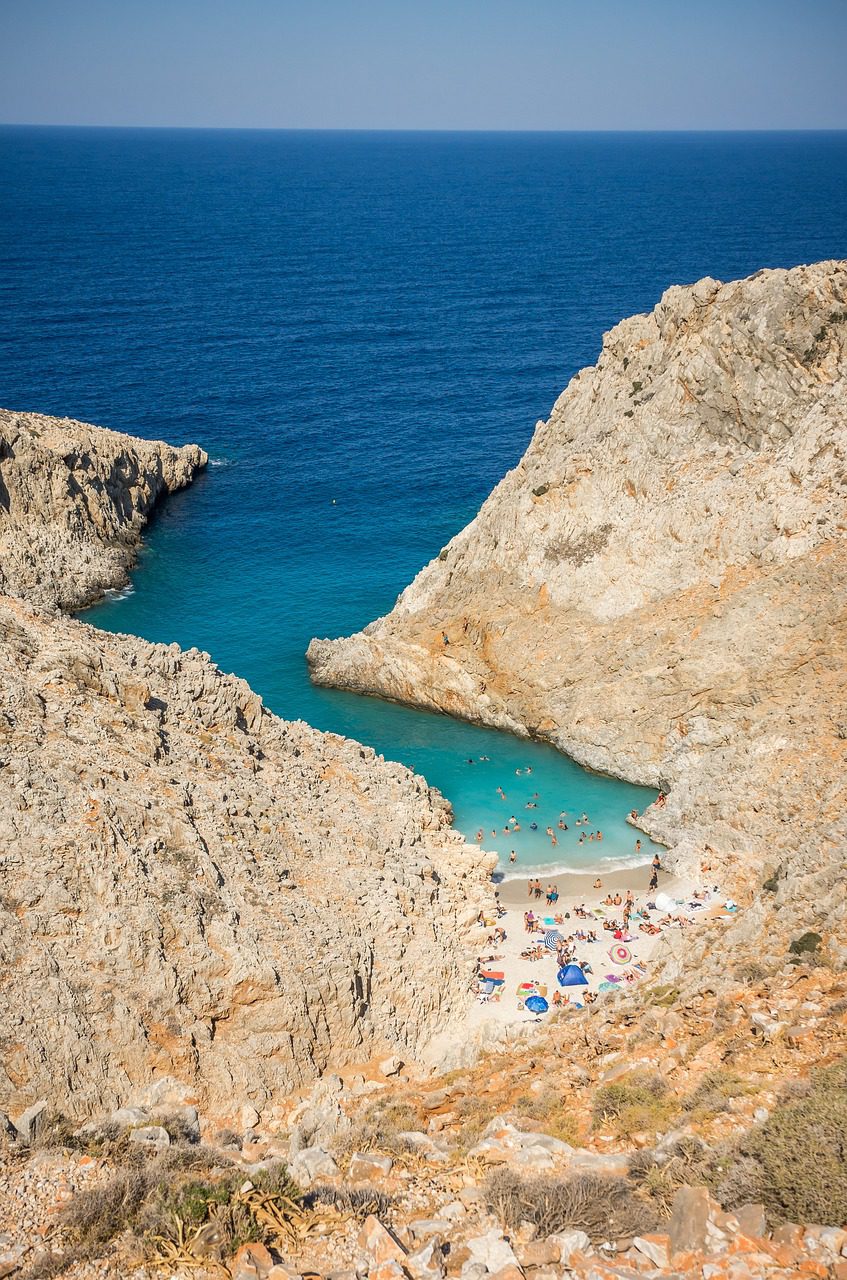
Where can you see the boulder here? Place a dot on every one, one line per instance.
(367, 1165)
(151, 1135)
(689, 1221)
(492, 1251)
(32, 1121)
(313, 1163)
(378, 1243)
(570, 1243)
(252, 1262)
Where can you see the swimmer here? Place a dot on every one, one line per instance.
(638, 846)
(549, 832)
(479, 835)
(513, 857)
(501, 793)
(599, 835)
(533, 826)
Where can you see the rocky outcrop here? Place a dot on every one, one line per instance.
(189, 886)
(659, 586)
(73, 502)
(193, 887)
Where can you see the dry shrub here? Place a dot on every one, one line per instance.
(634, 1103)
(714, 1092)
(605, 1208)
(550, 1109)
(380, 1126)
(358, 1201)
(162, 1197)
(688, 1162)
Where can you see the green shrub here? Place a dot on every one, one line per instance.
(605, 1208)
(796, 1160)
(806, 945)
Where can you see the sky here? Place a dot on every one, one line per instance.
(426, 64)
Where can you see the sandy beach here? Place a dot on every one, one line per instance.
(610, 963)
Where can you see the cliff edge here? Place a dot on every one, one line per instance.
(189, 886)
(73, 502)
(659, 586)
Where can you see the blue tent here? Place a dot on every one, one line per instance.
(571, 976)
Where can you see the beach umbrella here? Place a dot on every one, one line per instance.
(620, 954)
(570, 975)
(664, 902)
(551, 938)
(536, 1004)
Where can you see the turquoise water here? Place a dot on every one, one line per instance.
(362, 329)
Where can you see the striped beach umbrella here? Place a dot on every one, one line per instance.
(620, 954)
(552, 938)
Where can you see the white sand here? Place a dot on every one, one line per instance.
(578, 890)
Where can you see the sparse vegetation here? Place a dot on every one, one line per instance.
(714, 1092)
(163, 1202)
(556, 1115)
(602, 1207)
(380, 1127)
(806, 945)
(634, 1103)
(795, 1162)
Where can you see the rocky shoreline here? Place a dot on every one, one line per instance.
(74, 501)
(227, 943)
(190, 885)
(658, 587)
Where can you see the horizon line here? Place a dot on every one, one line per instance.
(224, 128)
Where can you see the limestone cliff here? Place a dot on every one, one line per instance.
(189, 886)
(659, 586)
(73, 501)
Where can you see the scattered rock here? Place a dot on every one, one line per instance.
(152, 1135)
(367, 1165)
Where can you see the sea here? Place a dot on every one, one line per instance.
(362, 329)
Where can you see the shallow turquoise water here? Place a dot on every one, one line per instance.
(362, 329)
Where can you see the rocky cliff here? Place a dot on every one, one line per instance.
(73, 502)
(659, 586)
(189, 886)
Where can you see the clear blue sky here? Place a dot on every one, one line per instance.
(426, 64)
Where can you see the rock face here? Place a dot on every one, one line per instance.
(73, 501)
(659, 586)
(193, 887)
(189, 886)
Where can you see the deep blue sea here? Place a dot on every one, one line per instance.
(362, 329)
